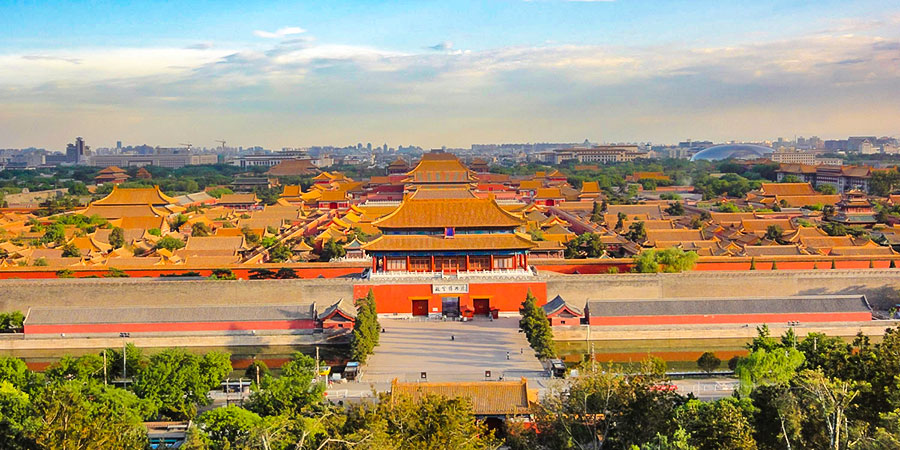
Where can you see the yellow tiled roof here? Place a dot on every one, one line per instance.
(135, 196)
(487, 397)
(770, 189)
(457, 213)
(395, 242)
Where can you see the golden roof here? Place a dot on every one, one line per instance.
(135, 196)
(456, 213)
(438, 168)
(394, 242)
(487, 397)
(787, 189)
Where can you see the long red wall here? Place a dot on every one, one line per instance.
(731, 318)
(242, 272)
(170, 327)
(624, 265)
(397, 298)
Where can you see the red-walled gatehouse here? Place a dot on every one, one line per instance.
(452, 297)
(804, 309)
(561, 313)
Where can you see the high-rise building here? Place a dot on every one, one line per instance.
(77, 153)
(119, 146)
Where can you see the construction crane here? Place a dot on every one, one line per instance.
(223, 144)
(188, 145)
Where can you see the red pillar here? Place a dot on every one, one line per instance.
(467, 262)
(492, 262)
(374, 263)
(432, 263)
(408, 269)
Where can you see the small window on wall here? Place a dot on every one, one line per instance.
(396, 264)
(503, 262)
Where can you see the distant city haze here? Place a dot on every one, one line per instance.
(445, 73)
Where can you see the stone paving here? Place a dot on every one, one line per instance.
(409, 347)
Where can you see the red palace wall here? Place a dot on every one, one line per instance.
(731, 318)
(170, 327)
(397, 298)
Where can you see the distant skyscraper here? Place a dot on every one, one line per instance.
(369, 146)
(119, 145)
(76, 153)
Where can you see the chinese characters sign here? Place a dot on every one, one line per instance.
(449, 288)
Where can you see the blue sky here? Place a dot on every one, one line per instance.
(444, 73)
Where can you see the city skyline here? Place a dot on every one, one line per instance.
(456, 73)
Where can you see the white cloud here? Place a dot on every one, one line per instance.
(279, 33)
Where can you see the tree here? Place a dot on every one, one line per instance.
(708, 362)
(290, 394)
(766, 367)
(429, 422)
(200, 229)
(228, 427)
(536, 326)
(670, 260)
(176, 382)
(829, 400)
(332, 250)
(70, 251)
(251, 237)
(675, 209)
(718, 425)
(115, 273)
(366, 329)
(597, 213)
(606, 409)
(12, 321)
(55, 234)
(826, 189)
(261, 274)
(256, 371)
(75, 415)
(178, 222)
(774, 233)
(637, 232)
(679, 441)
(117, 237)
(83, 368)
(14, 371)
(222, 274)
(279, 253)
(169, 243)
(286, 273)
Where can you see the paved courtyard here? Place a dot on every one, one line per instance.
(409, 347)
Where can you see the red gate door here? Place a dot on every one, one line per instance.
(482, 306)
(420, 307)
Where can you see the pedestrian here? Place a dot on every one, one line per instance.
(521, 350)
(452, 337)
(507, 356)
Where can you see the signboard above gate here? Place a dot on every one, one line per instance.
(449, 288)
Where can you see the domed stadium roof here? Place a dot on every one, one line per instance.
(736, 151)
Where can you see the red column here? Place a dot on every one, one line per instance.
(384, 266)
(492, 262)
(408, 269)
(467, 262)
(432, 263)
(374, 263)
(525, 256)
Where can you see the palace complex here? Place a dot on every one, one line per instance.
(436, 237)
